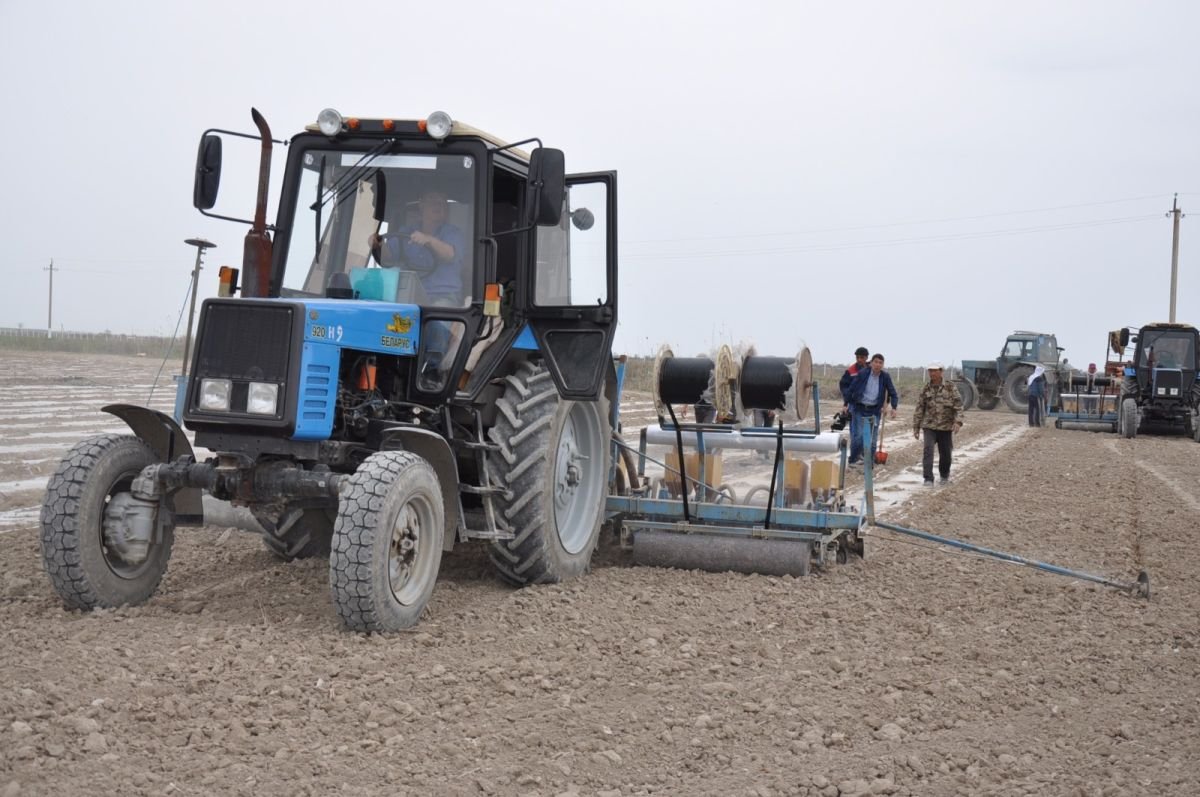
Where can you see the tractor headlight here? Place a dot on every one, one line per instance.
(214, 394)
(263, 398)
(438, 124)
(329, 122)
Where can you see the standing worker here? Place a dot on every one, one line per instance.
(871, 391)
(1089, 401)
(939, 414)
(859, 365)
(1037, 395)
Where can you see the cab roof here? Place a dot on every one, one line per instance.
(461, 129)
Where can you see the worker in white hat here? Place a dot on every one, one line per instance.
(939, 414)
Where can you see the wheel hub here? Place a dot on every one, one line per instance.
(579, 476)
(129, 528)
(406, 542)
(569, 470)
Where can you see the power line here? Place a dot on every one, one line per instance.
(941, 238)
(885, 225)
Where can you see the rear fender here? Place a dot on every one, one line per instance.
(168, 442)
(434, 449)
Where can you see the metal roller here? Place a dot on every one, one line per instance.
(720, 554)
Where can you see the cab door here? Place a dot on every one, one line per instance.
(571, 303)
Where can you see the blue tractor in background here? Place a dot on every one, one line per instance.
(419, 356)
(1161, 380)
(984, 383)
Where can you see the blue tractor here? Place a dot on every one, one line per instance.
(419, 356)
(1161, 381)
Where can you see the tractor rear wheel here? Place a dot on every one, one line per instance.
(89, 545)
(1129, 421)
(988, 401)
(308, 538)
(967, 391)
(1016, 389)
(387, 542)
(553, 460)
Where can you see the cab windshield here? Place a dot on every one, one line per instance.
(1168, 349)
(399, 226)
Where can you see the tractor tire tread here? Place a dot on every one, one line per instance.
(520, 440)
(357, 524)
(60, 520)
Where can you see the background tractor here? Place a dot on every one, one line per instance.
(984, 383)
(1161, 380)
(419, 357)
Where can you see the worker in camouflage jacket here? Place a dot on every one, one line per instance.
(939, 414)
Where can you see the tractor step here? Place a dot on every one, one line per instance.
(493, 490)
(492, 536)
(473, 445)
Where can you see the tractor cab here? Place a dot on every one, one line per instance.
(1030, 347)
(482, 246)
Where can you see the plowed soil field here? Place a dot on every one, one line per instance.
(921, 671)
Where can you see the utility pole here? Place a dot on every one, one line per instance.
(50, 303)
(1176, 212)
(200, 245)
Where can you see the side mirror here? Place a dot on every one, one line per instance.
(582, 218)
(208, 173)
(546, 187)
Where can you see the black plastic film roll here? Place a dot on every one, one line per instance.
(1098, 381)
(683, 380)
(765, 382)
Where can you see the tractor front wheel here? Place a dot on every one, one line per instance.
(1129, 419)
(553, 460)
(94, 548)
(387, 542)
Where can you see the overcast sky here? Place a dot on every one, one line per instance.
(918, 178)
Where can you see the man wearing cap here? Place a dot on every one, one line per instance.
(939, 413)
(870, 394)
(860, 364)
(1089, 401)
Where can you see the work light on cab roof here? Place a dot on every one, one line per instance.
(438, 124)
(329, 122)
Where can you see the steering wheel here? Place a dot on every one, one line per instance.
(395, 255)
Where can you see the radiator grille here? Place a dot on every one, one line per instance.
(245, 341)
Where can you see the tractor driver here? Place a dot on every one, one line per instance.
(432, 247)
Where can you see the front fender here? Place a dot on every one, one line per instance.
(434, 449)
(168, 442)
